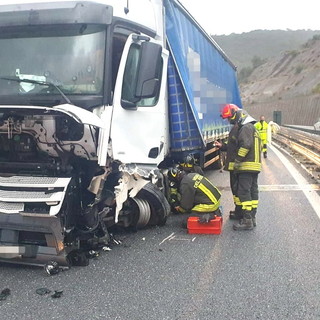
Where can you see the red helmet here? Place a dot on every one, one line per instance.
(229, 111)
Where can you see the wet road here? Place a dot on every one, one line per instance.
(272, 272)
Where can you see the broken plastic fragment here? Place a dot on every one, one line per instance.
(43, 291)
(106, 248)
(4, 294)
(51, 268)
(114, 240)
(57, 294)
(93, 254)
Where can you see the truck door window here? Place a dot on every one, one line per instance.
(130, 79)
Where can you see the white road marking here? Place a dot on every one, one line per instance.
(310, 194)
(287, 187)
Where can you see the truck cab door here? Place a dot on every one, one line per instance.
(139, 120)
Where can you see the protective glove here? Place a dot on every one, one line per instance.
(179, 209)
(205, 218)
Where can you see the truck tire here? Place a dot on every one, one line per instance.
(159, 205)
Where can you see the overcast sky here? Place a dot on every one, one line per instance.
(237, 16)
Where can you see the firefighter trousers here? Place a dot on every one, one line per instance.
(247, 190)
(234, 187)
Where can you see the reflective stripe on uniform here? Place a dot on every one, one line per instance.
(198, 184)
(206, 207)
(237, 201)
(255, 204)
(256, 149)
(242, 152)
(246, 205)
(246, 166)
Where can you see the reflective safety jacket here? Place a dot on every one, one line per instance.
(248, 153)
(262, 127)
(231, 147)
(198, 193)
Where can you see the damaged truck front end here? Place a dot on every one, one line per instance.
(55, 200)
(47, 161)
(72, 162)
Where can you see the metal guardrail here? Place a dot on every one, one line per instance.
(302, 137)
(303, 128)
(304, 147)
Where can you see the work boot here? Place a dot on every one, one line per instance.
(253, 216)
(245, 223)
(236, 214)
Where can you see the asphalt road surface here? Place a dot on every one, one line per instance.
(272, 272)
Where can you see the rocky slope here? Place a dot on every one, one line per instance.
(289, 83)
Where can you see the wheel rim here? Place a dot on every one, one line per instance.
(144, 211)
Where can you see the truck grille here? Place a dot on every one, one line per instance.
(39, 192)
(11, 207)
(22, 181)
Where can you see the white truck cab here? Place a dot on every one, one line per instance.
(97, 100)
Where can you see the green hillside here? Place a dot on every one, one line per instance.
(262, 44)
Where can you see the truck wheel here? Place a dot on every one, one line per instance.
(159, 206)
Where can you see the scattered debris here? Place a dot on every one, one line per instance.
(167, 238)
(43, 291)
(5, 293)
(51, 268)
(106, 248)
(57, 294)
(78, 258)
(113, 240)
(93, 254)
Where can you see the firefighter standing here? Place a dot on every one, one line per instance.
(262, 127)
(247, 165)
(231, 147)
(197, 194)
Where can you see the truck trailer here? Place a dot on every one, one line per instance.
(97, 100)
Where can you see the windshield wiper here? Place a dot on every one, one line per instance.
(41, 83)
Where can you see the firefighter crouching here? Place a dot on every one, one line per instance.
(189, 165)
(197, 194)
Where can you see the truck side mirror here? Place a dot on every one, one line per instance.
(149, 72)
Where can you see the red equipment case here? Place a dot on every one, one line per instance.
(214, 226)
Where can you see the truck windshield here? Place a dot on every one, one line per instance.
(70, 57)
